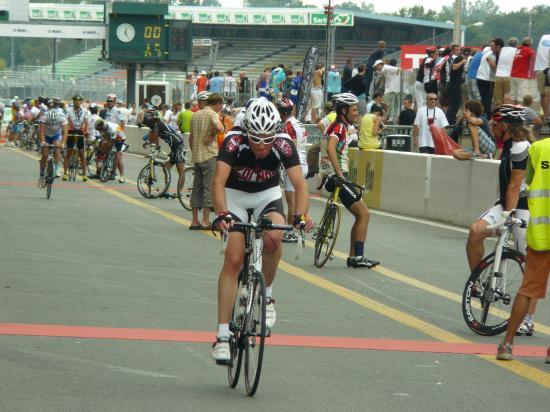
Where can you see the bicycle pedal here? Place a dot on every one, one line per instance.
(224, 363)
(497, 274)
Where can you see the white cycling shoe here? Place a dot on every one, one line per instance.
(270, 314)
(220, 352)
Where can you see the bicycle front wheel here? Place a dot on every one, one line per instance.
(107, 169)
(236, 341)
(327, 235)
(153, 181)
(49, 178)
(185, 190)
(486, 310)
(254, 331)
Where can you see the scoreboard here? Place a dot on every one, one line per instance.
(148, 38)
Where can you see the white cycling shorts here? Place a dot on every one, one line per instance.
(238, 202)
(287, 184)
(493, 216)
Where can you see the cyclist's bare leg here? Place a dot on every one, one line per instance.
(119, 164)
(205, 216)
(57, 155)
(359, 229)
(474, 246)
(181, 172)
(43, 159)
(519, 310)
(82, 155)
(227, 281)
(272, 248)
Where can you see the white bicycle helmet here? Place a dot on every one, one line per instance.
(344, 99)
(262, 117)
(203, 95)
(52, 118)
(509, 114)
(111, 97)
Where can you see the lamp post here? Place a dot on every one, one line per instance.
(463, 32)
(457, 21)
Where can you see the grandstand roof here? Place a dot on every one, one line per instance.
(398, 19)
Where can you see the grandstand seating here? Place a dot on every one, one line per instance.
(79, 65)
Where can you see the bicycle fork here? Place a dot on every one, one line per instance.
(497, 289)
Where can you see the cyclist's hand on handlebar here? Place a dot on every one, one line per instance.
(506, 213)
(303, 222)
(339, 180)
(223, 222)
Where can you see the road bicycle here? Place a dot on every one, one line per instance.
(494, 282)
(108, 168)
(154, 179)
(247, 326)
(326, 232)
(91, 156)
(46, 181)
(27, 138)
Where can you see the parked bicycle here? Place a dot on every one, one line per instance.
(326, 232)
(248, 323)
(154, 179)
(494, 282)
(46, 181)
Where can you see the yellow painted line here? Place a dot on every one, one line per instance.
(528, 372)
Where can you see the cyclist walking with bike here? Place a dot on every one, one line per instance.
(111, 134)
(78, 127)
(172, 137)
(247, 177)
(334, 162)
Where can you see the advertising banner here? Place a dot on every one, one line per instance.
(340, 19)
(312, 57)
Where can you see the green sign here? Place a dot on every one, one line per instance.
(186, 16)
(222, 18)
(296, 19)
(36, 13)
(68, 14)
(53, 14)
(84, 15)
(277, 19)
(340, 19)
(259, 19)
(241, 18)
(205, 18)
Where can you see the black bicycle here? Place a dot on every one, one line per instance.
(46, 181)
(248, 324)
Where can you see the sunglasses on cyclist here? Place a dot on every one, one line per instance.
(259, 139)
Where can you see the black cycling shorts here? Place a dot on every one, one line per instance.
(75, 138)
(119, 145)
(176, 154)
(348, 194)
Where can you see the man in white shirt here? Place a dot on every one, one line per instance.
(504, 69)
(391, 89)
(426, 116)
(486, 73)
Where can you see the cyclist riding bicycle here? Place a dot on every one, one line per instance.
(78, 128)
(297, 133)
(334, 163)
(53, 131)
(171, 136)
(508, 127)
(111, 134)
(247, 177)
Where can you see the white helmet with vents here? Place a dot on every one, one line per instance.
(262, 117)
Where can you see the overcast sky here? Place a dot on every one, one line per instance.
(390, 6)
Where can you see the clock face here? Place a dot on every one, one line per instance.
(125, 32)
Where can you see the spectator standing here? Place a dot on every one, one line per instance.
(347, 74)
(425, 117)
(244, 88)
(542, 70)
(295, 87)
(537, 269)
(454, 88)
(471, 76)
(184, 118)
(370, 128)
(173, 119)
(216, 83)
(504, 70)
(430, 83)
(419, 93)
(316, 95)
(263, 84)
(407, 115)
(229, 85)
(356, 86)
(523, 75)
(202, 82)
(334, 83)
(392, 89)
(278, 77)
(205, 126)
(377, 54)
(466, 54)
(486, 72)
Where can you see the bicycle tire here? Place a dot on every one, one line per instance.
(184, 195)
(73, 168)
(90, 160)
(235, 342)
(107, 168)
(482, 316)
(254, 334)
(148, 183)
(327, 235)
(49, 179)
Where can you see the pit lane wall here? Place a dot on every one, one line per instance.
(425, 186)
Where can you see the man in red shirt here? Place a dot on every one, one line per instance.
(202, 82)
(523, 80)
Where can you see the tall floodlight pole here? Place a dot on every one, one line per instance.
(457, 20)
(329, 11)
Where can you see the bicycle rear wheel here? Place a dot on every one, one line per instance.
(90, 160)
(184, 194)
(236, 341)
(327, 235)
(486, 311)
(153, 182)
(73, 168)
(254, 330)
(49, 178)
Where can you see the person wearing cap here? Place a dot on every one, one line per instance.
(202, 82)
(111, 113)
(375, 56)
(78, 128)
(334, 83)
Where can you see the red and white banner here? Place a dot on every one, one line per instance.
(412, 55)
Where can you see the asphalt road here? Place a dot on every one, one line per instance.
(108, 303)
